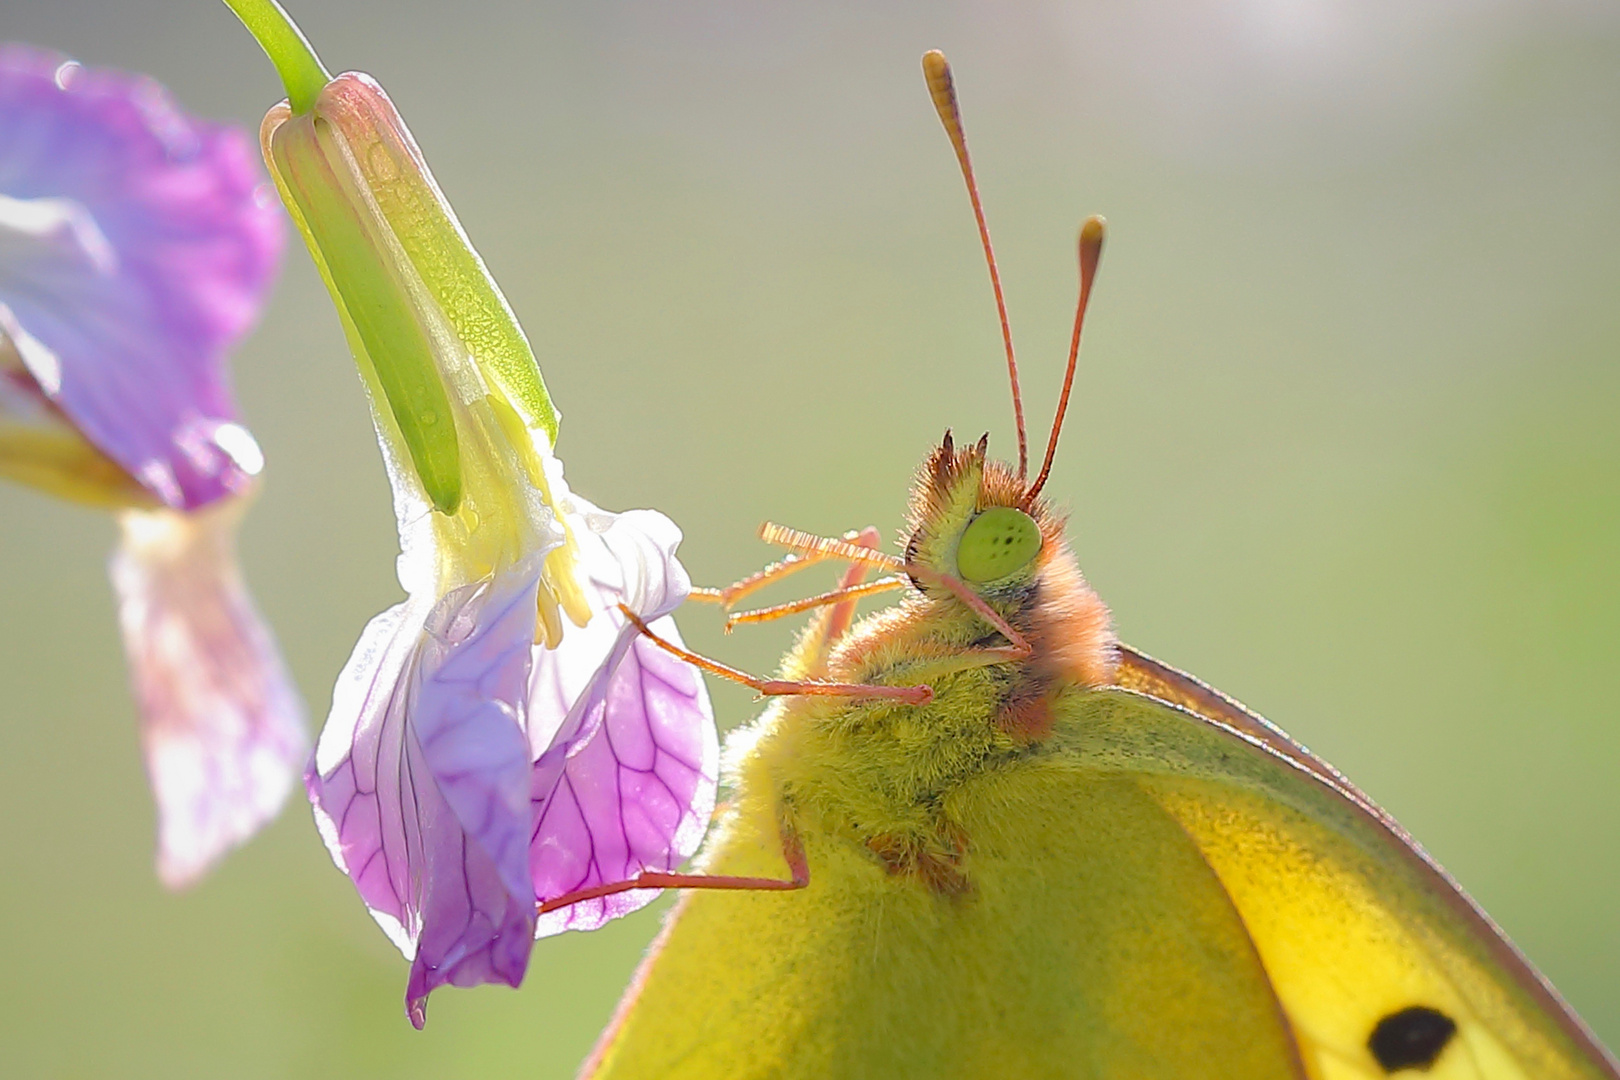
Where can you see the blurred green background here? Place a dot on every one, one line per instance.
(1345, 439)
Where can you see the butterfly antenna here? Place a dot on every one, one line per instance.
(1091, 242)
(943, 90)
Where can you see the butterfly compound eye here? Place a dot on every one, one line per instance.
(998, 542)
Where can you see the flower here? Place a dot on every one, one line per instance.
(467, 773)
(503, 737)
(137, 245)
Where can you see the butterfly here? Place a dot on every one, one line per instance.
(1016, 846)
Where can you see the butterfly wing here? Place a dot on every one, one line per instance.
(1078, 949)
(1162, 890)
(1370, 946)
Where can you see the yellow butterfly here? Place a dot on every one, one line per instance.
(1019, 848)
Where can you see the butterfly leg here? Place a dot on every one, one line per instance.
(729, 595)
(911, 695)
(838, 619)
(776, 571)
(808, 544)
(810, 654)
(808, 658)
(792, 851)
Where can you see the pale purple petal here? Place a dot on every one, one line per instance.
(222, 726)
(421, 781)
(137, 245)
(624, 737)
(641, 545)
(636, 795)
(626, 558)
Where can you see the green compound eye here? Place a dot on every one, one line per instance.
(998, 542)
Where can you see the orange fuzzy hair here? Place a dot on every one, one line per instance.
(1052, 605)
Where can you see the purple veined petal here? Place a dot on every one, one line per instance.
(137, 245)
(221, 724)
(421, 779)
(623, 732)
(636, 795)
(626, 558)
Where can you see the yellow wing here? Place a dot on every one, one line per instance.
(1090, 937)
(1153, 893)
(1372, 949)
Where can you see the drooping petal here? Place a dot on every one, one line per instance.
(624, 736)
(221, 724)
(420, 781)
(136, 247)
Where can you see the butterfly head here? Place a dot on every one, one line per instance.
(972, 519)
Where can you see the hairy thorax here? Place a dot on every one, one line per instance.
(880, 775)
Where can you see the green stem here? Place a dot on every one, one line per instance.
(300, 69)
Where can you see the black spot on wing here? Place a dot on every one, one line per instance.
(1411, 1039)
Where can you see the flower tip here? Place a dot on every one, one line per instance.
(416, 1009)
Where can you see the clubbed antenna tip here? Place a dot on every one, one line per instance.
(942, 88)
(1091, 244)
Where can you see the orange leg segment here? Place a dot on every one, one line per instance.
(776, 571)
(810, 545)
(839, 619)
(911, 695)
(792, 851)
(1018, 647)
(840, 596)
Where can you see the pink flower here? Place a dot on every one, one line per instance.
(137, 246)
(502, 737)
